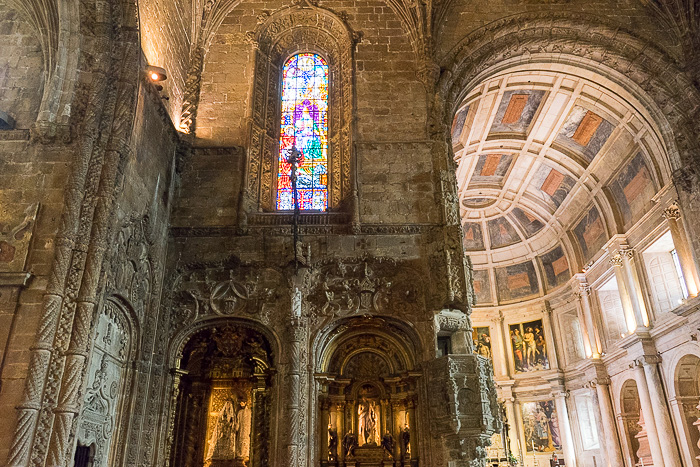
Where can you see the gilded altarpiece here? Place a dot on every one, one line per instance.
(223, 405)
(368, 406)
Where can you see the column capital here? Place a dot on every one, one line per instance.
(673, 212)
(599, 381)
(498, 319)
(626, 251)
(584, 290)
(616, 260)
(646, 360)
(561, 393)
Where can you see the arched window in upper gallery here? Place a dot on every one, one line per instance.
(304, 126)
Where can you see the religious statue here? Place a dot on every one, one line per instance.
(367, 422)
(406, 442)
(388, 444)
(222, 442)
(230, 438)
(332, 443)
(349, 444)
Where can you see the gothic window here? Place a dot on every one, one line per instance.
(302, 97)
(304, 127)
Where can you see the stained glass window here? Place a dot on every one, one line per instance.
(304, 126)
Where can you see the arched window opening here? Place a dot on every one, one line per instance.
(304, 126)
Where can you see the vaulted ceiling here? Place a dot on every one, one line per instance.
(550, 165)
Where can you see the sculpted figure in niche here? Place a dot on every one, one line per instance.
(230, 438)
(368, 418)
(349, 444)
(332, 443)
(388, 444)
(406, 442)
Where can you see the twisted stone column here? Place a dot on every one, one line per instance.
(295, 345)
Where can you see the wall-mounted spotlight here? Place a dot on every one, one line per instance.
(156, 73)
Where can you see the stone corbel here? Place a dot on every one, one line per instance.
(15, 279)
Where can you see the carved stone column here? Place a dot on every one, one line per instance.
(565, 427)
(648, 411)
(325, 422)
(293, 455)
(683, 249)
(667, 440)
(513, 427)
(607, 416)
(177, 375)
(592, 337)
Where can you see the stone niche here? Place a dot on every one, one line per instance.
(223, 403)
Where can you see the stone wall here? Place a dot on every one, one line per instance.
(21, 68)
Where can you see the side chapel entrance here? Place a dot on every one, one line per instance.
(368, 400)
(223, 405)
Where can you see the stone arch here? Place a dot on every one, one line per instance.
(215, 361)
(514, 45)
(641, 68)
(629, 415)
(104, 418)
(686, 387)
(367, 370)
(288, 31)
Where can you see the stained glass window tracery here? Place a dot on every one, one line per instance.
(304, 125)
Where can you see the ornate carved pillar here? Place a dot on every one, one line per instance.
(685, 254)
(294, 450)
(607, 416)
(565, 426)
(553, 352)
(591, 338)
(664, 428)
(648, 412)
(633, 316)
(177, 375)
(411, 410)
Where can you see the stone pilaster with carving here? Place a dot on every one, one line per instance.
(463, 407)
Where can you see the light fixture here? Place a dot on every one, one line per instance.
(156, 73)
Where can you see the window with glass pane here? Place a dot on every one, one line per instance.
(304, 125)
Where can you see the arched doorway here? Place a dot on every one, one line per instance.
(107, 396)
(630, 413)
(368, 398)
(687, 385)
(222, 416)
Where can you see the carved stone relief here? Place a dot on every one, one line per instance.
(106, 383)
(245, 290)
(15, 236)
(382, 286)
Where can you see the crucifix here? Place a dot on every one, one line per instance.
(294, 158)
